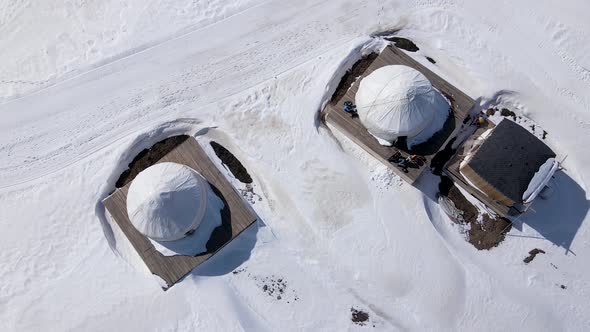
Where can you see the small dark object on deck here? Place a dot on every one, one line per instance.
(491, 111)
(467, 119)
(532, 254)
(148, 157)
(431, 60)
(412, 161)
(358, 316)
(399, 160)
(403, 43)
(352, 74)
(350, 108)
(234, 165)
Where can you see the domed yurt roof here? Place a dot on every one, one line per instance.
(167, 200)
(396, 101)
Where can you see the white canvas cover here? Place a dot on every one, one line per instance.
(167, 200)
(397, 101)
(540, 180)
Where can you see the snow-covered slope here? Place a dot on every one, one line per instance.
(87, 86)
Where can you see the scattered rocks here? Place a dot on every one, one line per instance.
(431, 60)
(532, 254)
(403, 43)
(525, 122)
(359, 317)
(228, 159)
(275, 287)
(249, 194)
(503, 112)
(507, 112)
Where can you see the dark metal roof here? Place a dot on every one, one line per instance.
(509, 158)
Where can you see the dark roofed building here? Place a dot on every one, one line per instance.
(504, 164)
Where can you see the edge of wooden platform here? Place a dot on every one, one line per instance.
(172, 269)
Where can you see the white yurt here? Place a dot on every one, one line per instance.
(167, 200)
(396, 101)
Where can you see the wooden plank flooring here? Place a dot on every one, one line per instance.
(354, 129)
(173, 268)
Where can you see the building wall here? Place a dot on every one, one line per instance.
(484, 186)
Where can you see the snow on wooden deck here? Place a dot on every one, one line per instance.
(354, 129)
(172, 268)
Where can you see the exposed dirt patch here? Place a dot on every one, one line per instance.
(485, 232)
(470, 212)
(352, 74)
(431, 60)
(532, 254)
(359, 317)
(148, 157)
(228, 159)
(489, 232)
(403, 43)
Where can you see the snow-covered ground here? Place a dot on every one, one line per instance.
(84, 86)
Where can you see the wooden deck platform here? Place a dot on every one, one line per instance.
(352, 127)
(236, 216)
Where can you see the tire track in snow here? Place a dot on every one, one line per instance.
(130, 131)
(111, 60)
(181, 99)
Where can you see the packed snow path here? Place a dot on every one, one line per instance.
(341, 231)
